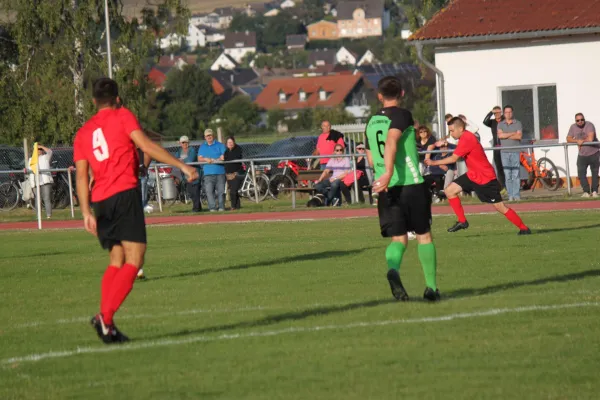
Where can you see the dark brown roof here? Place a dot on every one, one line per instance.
(372, 8)
(295, 40)
(239, 39)
(328, 56)
(472, 18)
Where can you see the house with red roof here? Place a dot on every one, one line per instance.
(295, 94)
(541, 57)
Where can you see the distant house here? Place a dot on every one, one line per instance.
(295, 94)
(323, 30)
(287, 4)
(345, 56)
(158, 76)
(238, 44)
(319, 58)
(172, 40)
(296, 42)
(178, 62)
(405, 31)
(224, 61)
(227, 84)
(362, 18)
(367, 58)
(252, 91)
(272, 12)
(196, 37)
(225, 16)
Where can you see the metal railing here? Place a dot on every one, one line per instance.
(252, 162)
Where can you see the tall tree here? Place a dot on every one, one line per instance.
(61, 50)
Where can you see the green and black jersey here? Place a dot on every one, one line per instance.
(406, 165)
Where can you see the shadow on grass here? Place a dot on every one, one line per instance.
(468, 292)
(301, 257)
(275, 319)
(32, 255)
(540, 231)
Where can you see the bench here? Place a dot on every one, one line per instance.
(310, 176)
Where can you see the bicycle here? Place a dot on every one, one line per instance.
(285, 179)
(11, 193)
(542, 170)
(262, 185)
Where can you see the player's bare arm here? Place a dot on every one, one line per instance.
(389, 156)
(158, 153)
(83, 193)
(449, 160)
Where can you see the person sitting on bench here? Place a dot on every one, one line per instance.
(338, 167)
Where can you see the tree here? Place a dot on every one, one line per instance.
(61, 51)
(239, 116)
(275, 116)
(188, 101)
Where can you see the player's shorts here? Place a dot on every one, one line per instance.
(121, 218)
(405, 209)
(487, 193)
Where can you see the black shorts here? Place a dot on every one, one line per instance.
(488, 193)
(405, 209)
(120, 218)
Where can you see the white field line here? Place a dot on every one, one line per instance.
(309, 329)
(77, 320)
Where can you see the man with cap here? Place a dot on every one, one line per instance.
(187, 155)
(211, 153)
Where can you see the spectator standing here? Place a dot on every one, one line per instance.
(189, 154)
(583, 131)
(45, 178)
(212, 153)
(233, 172)
(326, 143)
(491, 120)
(510, 133)
(338, 167)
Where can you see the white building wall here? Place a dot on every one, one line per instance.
(239, 53)
(474, 74)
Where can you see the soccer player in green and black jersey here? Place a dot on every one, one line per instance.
(404, 201)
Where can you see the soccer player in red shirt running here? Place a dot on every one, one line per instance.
(479, 178)
(106, 144)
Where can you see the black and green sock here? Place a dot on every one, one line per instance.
(427, 256)
(393, 255)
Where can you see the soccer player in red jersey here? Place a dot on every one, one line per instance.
(106, 144)
(479, 178)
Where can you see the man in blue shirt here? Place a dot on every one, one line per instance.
(211, 152)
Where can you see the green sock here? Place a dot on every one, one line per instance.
(393, 255)
(428, 262)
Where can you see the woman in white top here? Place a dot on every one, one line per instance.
(44, 158)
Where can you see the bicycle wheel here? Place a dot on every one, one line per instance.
(262, 188)
(9, 196)
(60, 195)
(548, 173)
(278, 182)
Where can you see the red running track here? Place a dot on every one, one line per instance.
(306, 214)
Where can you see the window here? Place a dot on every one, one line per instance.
(322, 95)
(302, 95)
(282, 97)
(536, 107)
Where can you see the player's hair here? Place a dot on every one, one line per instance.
(578, 114)
(390, 87)
(497, 108)
(508, 106)
(448, 117)
(105, 92)
(456, 121)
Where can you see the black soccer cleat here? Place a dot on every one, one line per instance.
(431, 295)
(118, 336)
(458, 226)
(398, 290)
(109, 334)
(524, 232)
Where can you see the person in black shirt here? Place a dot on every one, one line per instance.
(492, 123)
(233, 171)
(361, 173)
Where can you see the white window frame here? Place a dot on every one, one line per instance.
(536, 106)
(302, 95)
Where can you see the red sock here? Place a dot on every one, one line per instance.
(107, 280)
(122, 285)
(512, 216)
(457, 208)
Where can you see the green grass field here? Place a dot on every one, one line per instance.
(299, 310)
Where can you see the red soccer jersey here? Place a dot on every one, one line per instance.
(104, 141)
(479, 168)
